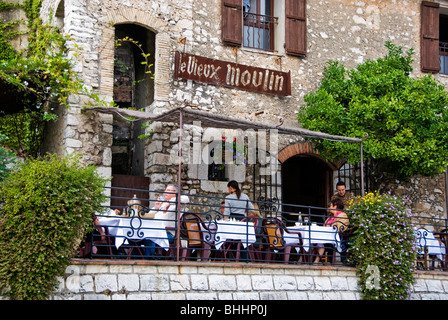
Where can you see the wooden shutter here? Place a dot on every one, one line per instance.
(429, 53)
(124, 187)
(232, 22)
(295, 33)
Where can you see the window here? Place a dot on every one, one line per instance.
(259, 24)
(443, 43)
(252, 24)
(217, 171)
(434, 38)
(226, 156)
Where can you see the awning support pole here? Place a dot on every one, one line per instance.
(179, 184)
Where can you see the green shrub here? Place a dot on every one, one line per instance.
(7, 159)
(48, 205)
(384, 247)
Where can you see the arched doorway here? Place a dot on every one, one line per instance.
(133, 88)
(307, 180)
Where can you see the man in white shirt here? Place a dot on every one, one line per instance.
(165, 211)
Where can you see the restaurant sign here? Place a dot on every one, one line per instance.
(232, 75)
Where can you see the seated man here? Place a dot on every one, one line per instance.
(342, 194)
(165, 211)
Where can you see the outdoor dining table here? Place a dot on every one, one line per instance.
(313, 234)
(426, 239)
(234, 230)
(135, 229)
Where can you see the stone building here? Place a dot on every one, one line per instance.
(270, 53)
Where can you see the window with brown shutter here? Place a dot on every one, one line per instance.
(295, 33)
(232, 22)
(429, 53)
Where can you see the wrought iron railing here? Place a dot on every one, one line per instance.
(258, 31)
(202, 233)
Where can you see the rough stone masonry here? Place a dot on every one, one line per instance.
(347, 31)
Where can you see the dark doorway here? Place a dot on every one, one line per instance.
(133, 88)
(306, 181)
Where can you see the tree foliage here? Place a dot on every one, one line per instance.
(7, 160)
(41, 75)
(403, 119)
(47, 206)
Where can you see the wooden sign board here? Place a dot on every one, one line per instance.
(232, 75)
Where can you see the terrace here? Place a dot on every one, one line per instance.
(196, 228)
(200, 232)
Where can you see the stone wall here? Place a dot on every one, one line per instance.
(428, 196)
(347, 31)
(354, 32)
(133, 280)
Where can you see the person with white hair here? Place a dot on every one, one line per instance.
(165, 210)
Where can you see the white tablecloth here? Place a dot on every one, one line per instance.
(234, 230)
(318, 234)
(425, 238)
(121, 229)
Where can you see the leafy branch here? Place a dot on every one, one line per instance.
(404, 118)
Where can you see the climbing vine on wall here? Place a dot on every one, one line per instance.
(41, 75)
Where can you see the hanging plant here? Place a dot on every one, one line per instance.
(236, 149)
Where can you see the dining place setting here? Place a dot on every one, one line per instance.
(235, 230)
(429, 247)
(131, 227)
(313, 234)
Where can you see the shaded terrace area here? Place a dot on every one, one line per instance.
(200, 232)
(204, 234)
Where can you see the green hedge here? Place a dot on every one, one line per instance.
(48, 205)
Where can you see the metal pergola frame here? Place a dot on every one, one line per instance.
(186, 115)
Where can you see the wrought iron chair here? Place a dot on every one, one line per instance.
(197, 236)
(106, 243)
(232, 249)
(346, 232)
(91, 241)
(275, 230)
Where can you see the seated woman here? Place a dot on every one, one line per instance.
(338, 219)
(237, 204)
